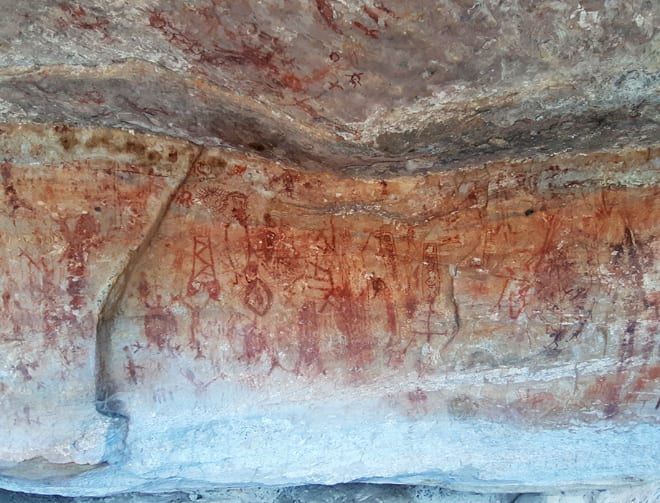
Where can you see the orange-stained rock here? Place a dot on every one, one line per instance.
(77, 206)
(178, 313)
(532, 288)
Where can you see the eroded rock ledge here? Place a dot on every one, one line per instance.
(363, 88)
(179, 317)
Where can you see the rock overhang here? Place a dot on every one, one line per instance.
(361, 88)
(303, 253)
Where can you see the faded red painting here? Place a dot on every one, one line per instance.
(271, 272)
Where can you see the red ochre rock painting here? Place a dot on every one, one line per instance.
(262, 272)
(76, 205)
(517, 292)
(370, 262)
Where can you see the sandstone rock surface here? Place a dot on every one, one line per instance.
(239, 321)
(359, 87)
(284, 243)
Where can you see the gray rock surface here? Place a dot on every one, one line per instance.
(363, 87)
(356, 493)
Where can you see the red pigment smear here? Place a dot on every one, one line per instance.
(160, 326)
(371, 13)
(351, 320)
(328, 15)
(367, 31)
(385, 9)
(309, 355)
(292, 82)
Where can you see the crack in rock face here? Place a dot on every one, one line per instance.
(289, 243)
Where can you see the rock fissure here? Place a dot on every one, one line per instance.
(107, 400)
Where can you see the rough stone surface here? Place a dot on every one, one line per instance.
(70, 224)
(361, 87)
(255, 323)
(350, 493)
(283, 243)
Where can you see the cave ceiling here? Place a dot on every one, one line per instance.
(363, 88)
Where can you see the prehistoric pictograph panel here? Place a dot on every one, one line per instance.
(260, 277)
(71, 216)
(408, 242)
(175, 303)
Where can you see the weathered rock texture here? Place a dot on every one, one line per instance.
(251, 321)
(360, 87)
(286, 243)
(70, 224)
(348, 493)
